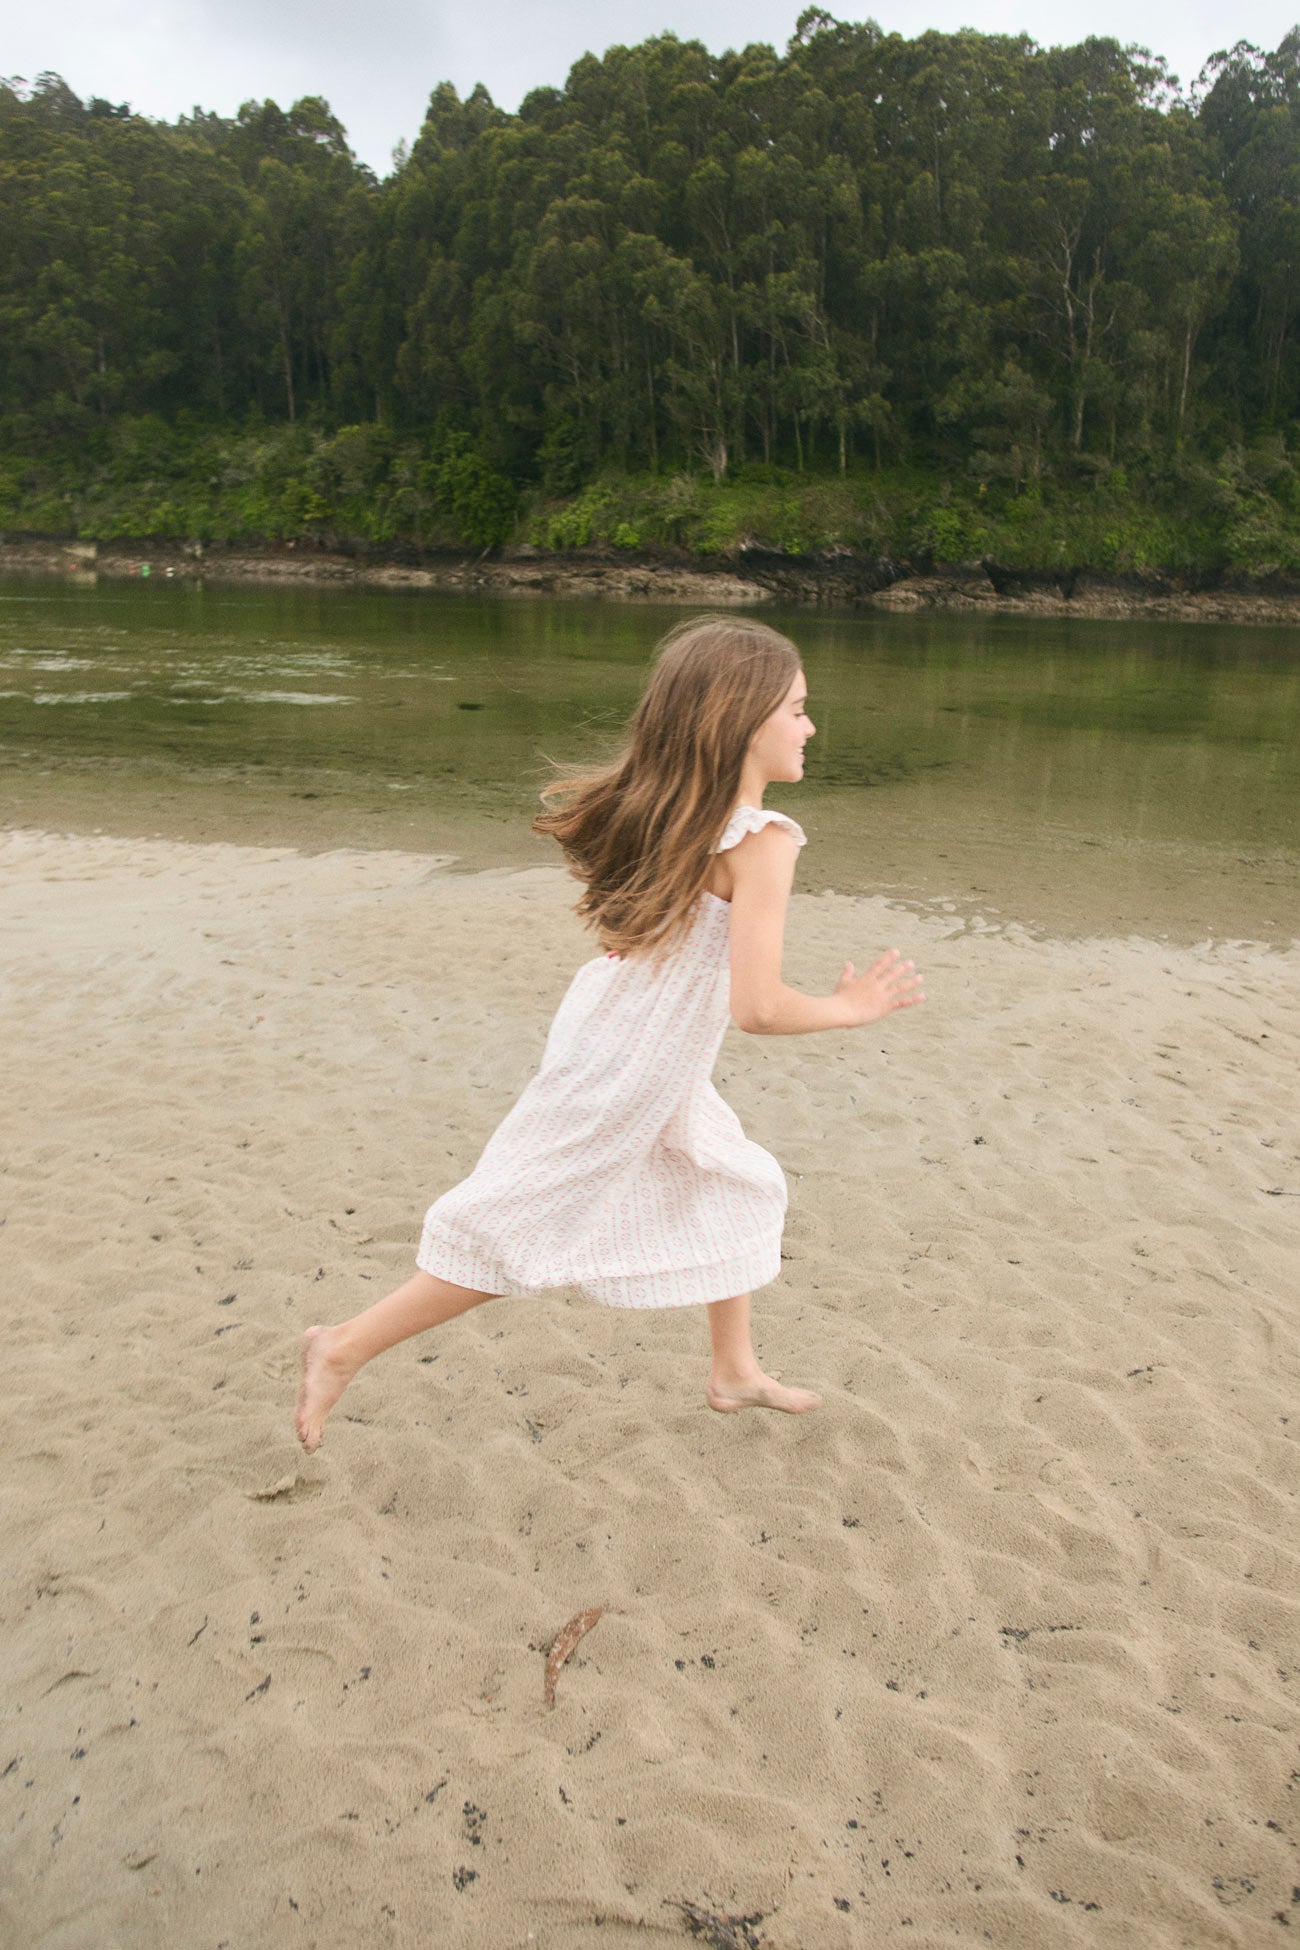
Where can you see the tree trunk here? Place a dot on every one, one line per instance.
(1182, 391)
(286, 360)
(650, 389)
(1076, 433)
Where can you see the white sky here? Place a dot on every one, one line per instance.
(376, 64)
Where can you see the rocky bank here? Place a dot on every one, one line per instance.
(833, 578)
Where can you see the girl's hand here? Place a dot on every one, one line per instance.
(890, 983)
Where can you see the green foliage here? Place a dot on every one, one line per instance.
(922, 521)
(262, 485)
(577, 523)
(361, 484)
(478, 502)
(1262, 540)
(942, 297)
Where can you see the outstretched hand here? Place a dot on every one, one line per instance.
(890, 983)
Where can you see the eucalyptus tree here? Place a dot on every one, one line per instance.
(1250, 116)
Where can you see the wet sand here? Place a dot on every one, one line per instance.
(944, 844)
(1001, 1645)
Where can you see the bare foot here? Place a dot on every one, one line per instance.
(323, 1381)
(760, 1391)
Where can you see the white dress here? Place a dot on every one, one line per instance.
(620, 1170)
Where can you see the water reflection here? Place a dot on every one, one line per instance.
(1071, 772)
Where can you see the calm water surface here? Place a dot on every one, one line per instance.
(1073, 775)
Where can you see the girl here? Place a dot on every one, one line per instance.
(620, 1170)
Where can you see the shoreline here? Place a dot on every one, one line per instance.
(838, 579)
(1062, 887)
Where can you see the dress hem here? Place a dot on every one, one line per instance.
(633, 1292)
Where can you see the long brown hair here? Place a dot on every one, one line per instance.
(641, 831)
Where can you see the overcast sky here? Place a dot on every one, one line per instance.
(375, 64)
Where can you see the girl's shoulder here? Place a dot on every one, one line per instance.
(752, 819)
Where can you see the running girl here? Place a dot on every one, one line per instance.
(620, 1171)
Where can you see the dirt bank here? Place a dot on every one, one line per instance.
(838, 579)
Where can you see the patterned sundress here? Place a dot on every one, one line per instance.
(620, 1170)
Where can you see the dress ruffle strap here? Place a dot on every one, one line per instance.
(752, 819)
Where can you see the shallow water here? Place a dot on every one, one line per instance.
(1076, 776)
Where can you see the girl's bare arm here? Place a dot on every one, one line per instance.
(762, 871)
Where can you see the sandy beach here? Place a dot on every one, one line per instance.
(1001, 1646)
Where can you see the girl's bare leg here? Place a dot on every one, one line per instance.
(735, 1378)
(332, 1355)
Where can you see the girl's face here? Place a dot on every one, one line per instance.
(777, 746)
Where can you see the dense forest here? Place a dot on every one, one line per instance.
(930, 296)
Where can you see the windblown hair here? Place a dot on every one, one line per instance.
(641, 832)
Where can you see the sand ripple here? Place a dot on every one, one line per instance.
(1000, 1646)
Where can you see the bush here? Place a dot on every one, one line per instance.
(577, 525)
(480, 503)
(145, 476)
